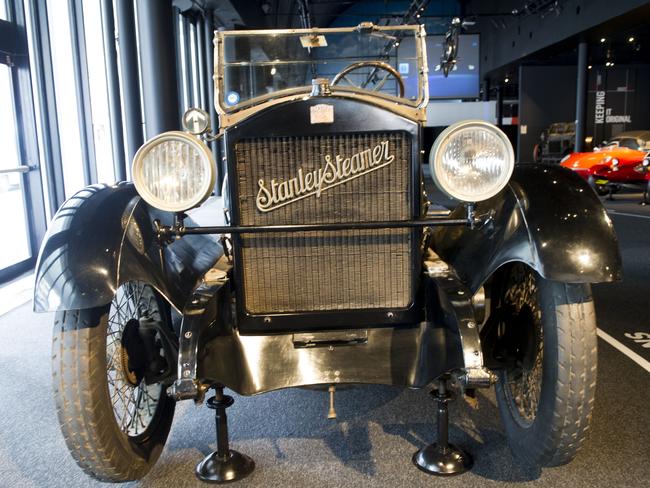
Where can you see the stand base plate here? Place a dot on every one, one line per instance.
(442, 461)
(215, 469)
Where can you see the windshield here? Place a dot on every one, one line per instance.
(254, 66)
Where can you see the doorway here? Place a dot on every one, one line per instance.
(21, 196)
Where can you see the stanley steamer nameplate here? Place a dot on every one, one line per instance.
(336, 171)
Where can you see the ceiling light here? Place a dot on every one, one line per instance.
(506, 80)
(273, 71)
(589, 67)
(602, 40)
(630, 39)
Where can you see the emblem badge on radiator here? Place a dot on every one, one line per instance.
(336, 171)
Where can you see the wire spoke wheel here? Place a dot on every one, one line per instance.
(524, 379)
(114, 414)
(546, 342)
(134, 401)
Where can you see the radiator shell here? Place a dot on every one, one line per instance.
(328, 279)
(326, 270)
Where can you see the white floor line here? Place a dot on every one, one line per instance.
(615, 212)
(625, 350)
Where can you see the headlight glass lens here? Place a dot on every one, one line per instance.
(471, 161)
(174, 171)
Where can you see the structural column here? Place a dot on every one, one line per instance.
(158, 61)
(208, 27)
(499, 106)
(130, 79)
(581, 96)
(113, 84)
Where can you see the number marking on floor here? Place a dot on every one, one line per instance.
(644, 363)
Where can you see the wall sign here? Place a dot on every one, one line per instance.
(600, 107)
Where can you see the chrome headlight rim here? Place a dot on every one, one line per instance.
(183, 137)
(443, 139)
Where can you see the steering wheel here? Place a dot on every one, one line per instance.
(372, 77)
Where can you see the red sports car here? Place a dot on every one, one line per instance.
(621, 155)
(618, 175)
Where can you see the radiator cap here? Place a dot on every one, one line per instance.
(320, 87)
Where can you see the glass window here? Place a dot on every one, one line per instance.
(10, 155)
(37, 108)
(98, 91)
(12, 200)
(3, 10)
(256, 66)
(630, 143)
(66, 97)
(194, 59)
(183, 56)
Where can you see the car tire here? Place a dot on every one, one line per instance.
(601, 190)
(548, 427)
(83, 363)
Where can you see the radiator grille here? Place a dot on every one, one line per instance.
(326, 270)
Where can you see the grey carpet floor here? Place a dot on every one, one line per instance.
(293, 444)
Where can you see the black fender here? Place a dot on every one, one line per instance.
(104, 236)
(547, 217)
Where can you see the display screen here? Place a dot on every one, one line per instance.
(463, 80)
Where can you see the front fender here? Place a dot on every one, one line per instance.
(102, 237)
(547, 217)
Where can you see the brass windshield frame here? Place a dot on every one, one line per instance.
(414, 110)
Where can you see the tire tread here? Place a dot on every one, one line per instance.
(87, 423)
(562, 424)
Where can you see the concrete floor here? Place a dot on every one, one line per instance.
(378, 428)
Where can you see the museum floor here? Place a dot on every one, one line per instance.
(378, 428)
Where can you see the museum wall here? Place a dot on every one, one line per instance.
(616, 102)
(547, 94)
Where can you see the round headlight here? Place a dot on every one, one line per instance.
(471, 161)
(174, 171)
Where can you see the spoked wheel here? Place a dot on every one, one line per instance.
(114, 413)
(547, 338)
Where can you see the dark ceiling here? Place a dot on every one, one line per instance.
(623, 40)
(626, 37)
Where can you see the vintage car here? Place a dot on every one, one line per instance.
(330, 267)
(555, 142)
(626, 149)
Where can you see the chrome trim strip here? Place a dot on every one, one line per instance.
(416, 114)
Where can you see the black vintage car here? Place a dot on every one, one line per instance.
(331, 267)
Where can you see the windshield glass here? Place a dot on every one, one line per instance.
(257, 65)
